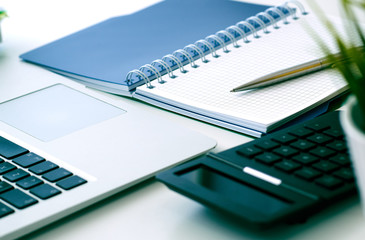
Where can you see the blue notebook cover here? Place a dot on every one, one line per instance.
(104, 53)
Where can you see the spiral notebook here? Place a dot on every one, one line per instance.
(196, 79)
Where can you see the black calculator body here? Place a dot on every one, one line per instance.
(285, 176)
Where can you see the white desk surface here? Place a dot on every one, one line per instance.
(149, 210)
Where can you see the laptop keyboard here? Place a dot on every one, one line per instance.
(27, 178)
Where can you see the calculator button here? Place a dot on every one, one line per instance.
(267, 144)
(249, 151)
(325, 166)
(329, 182)
(338, 145)
(284, 138)
(303, 145)
(308, 173)
(342, 159)
(305, 158)
(268, 158)
(322, 152)
(301, 132)
(287, 166)
(320, 139)
(317, 126)
(285, 151)
(345, 174)
(334, 132)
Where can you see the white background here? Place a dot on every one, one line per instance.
(149, 210)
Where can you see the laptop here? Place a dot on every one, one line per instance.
(64, 147)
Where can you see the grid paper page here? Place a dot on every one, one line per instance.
(206, 89)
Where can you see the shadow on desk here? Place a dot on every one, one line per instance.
(71, 221)
(152, 203)
(313, 228)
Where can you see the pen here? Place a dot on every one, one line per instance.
(289, 73)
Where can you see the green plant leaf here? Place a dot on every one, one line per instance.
(353, 69)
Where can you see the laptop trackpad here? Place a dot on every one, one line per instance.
(55, 111)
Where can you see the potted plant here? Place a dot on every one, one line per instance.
(2, 15)
(353, 70)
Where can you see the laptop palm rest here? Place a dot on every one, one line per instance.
(55, 111)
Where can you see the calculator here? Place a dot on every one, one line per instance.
(282, 177)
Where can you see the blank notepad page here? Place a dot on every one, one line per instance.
(206, 89)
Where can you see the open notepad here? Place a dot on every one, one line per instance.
(195, 82)
(204, 92)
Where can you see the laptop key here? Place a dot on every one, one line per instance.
(6, 167)
(4, 186)
(29, 182)
(18, 198)
(16, 175)
(45, 191)
(5, 210)
(71, 182)
(9, 149)
(43, 167)
(57, 174)
(28, 160)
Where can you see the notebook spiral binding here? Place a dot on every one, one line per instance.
(220, 40)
